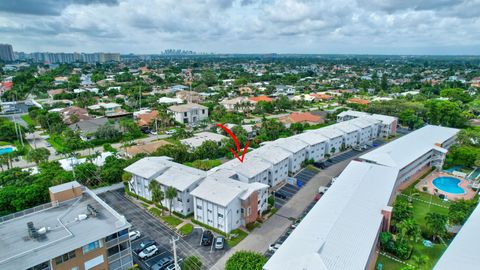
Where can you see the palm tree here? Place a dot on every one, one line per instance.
(157, 193)
(408, 230)
(170, 194)
(436, 223)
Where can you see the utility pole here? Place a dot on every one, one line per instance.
(175, 259)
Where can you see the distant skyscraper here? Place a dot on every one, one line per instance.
(6, 52)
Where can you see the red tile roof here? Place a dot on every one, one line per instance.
(358, 101)
(261, 98)
(305, 117)
(146, 118)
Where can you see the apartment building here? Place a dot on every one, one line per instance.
(388, 125)
(252, 170)
(334, 136)
(317, 145)
(279, 160)
(368, 129)
(297, 150)
(415, 151)
(76, 230)
(226, 204)
(189, 113)
(168, 174)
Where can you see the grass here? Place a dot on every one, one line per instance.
(57, 142)
(387, 263)
(204, 164)
(2, 143)
(155, 211)
(146, 205)
(172, 221)
(186, 229)
(28, 120)
(240, 236)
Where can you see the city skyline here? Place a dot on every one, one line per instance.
(444, 27)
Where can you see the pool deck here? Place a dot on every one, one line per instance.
(428, 182)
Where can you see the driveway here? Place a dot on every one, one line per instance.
(151, 228)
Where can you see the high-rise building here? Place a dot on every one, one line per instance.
(76, 230)
(6, 52)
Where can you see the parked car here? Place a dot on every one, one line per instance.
(170, 132)
(219, 242)
(144, 244)
(295, 224)
(162, 263)
(322, 190)
(134, 235)
(274, 247)
(148, 252)
(207, 238)
(172, 266)
(280, 195)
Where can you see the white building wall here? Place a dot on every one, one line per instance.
(223, 218)
(317, 151)
(295, 160)
(278, 173)
(334, 144)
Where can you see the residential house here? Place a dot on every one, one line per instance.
(358, 101)
(189, 113)
(239, 104)
(144, 148)
(301, 118)
(201, 137)
(87, 128)
(74, 114)
(255, 100)
(168, 100)
(108, 109)
(189, 96)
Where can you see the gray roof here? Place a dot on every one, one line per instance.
(271, 154)
(462, 253)
(310, 138)
(90, 126)
(147, 167)
(66, 232)
(218, 191)
(291, 145)
(326, 238)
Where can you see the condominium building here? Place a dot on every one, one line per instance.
(6, 53)
(317, 145)
(388, 125)
(297, 150)
(76, 230)
(415, 151)
(168, 174)
(189, 113)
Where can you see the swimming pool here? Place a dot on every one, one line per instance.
(448, 184)
(6, 150)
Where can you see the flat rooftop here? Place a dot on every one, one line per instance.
(404, 150)
(341, 229)
(65, 231)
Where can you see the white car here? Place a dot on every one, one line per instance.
(134, 235)
(274, 247)
(148, 252)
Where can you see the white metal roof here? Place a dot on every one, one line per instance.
(410, 147)
(217, 191)
(341, 229)
(271, 154)
(147, 167)
(462, 253)
(329, 132)
(201, 137)
(290, 144)
(310, 137)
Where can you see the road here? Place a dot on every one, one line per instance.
(275, 226)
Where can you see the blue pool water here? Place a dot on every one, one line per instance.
(448, 184)
(6, 150)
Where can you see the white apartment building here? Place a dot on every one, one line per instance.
(334, 136)
(415, 151)
(252, 170)
(189, 113)
(297, 150)
(388, 126)
(317, 145)
(350, 133)
(226, 204)
(368, 129)
(168, 174)
(279, 160)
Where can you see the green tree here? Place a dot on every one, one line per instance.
(87, 174)
(460, 210)
(38, 155)
(245, 260)
(170, 194)
(410, 118)
(456, 94)
(436, 223)
(157, 194)
(192, 263)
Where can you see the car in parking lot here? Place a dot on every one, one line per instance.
(170, 132)
(172, 266)
(148, 252)
(134, 235)
(207, 238)
(144, 244)
(162, 263)
(280, 195)
(219, 242)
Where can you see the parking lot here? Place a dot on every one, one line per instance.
(151, 228)
(287, 191)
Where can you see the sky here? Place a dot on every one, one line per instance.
(243, 26)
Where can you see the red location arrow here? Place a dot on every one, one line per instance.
(235, 153)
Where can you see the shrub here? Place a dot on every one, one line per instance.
(425, 189)
(245, 260)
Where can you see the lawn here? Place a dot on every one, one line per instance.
(172, 221)
(28, 120)
(57, 142)
(387, 263)
(186, 229)
(240, 236)
(204, 164)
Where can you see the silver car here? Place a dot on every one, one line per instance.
(219, 243)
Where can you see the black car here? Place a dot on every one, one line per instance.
(280, 195)
(207, 238)
(144, 244)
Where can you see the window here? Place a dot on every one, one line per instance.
(122, 233)
(203, 111)
(242, 211)
(220, 215)
(113, 250)
(74, 268)
(249, 211)
(185, 114)
(199, 207)
(65, 257)
(179, 199)
(92, 246)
